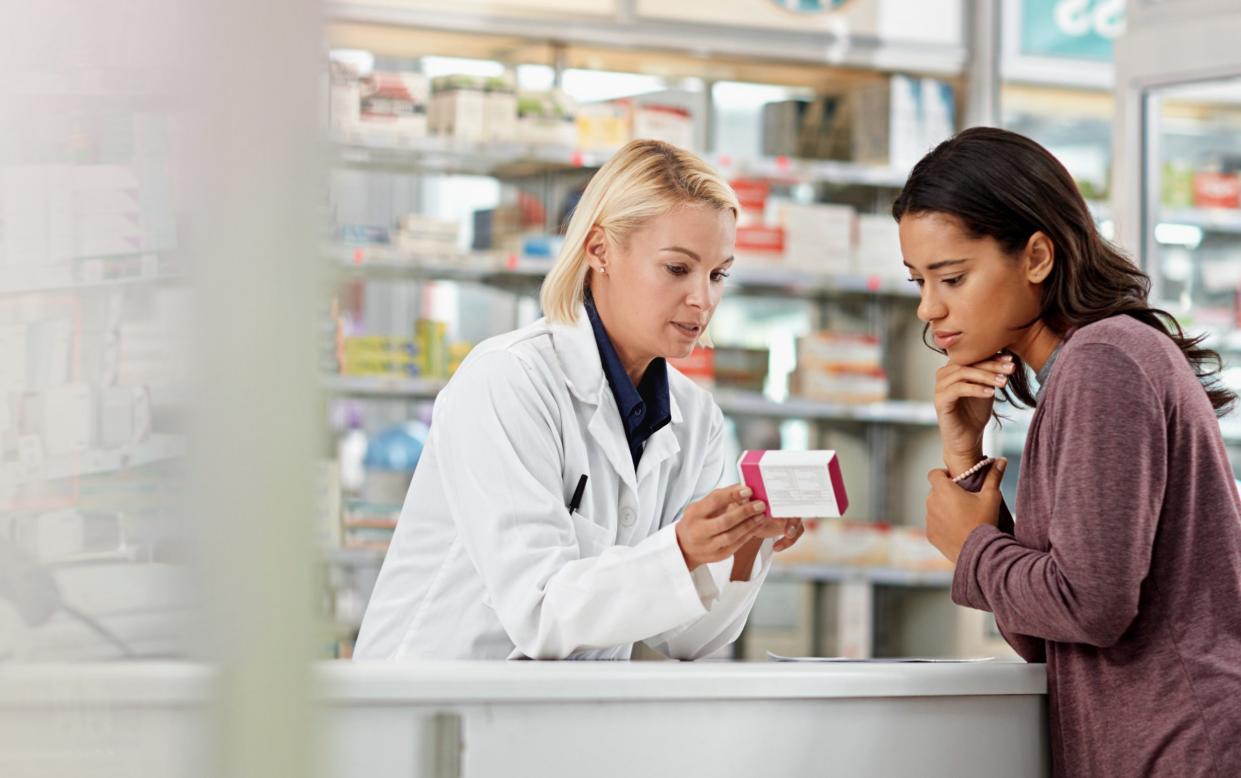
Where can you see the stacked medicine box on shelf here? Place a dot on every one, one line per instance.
(93, 329)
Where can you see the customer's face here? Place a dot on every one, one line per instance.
(977, 299)
(662, 285)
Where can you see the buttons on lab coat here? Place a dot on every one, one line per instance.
(628, 517)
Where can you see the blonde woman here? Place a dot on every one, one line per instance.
(567, 502)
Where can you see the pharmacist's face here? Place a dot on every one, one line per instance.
(662, 285)
(976, 299)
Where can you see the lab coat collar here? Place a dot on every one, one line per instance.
(579, 358)
(583, 367)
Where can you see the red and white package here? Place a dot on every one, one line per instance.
(796, 484)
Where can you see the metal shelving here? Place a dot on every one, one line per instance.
(624, 29)
(52, 287)
(894, 412)
(86, 273)
(361, 386)
(444, 156)
(812, 171)
(880, 576)
(507, 270)
(733, 403)
(1211, 220)
(157, 448)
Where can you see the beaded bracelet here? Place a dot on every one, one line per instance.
(973, 470)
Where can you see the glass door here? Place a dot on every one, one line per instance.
(1191, 239)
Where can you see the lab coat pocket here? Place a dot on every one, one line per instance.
(593, 539)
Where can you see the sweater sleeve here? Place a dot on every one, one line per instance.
(1109, 465)
(1029, 648)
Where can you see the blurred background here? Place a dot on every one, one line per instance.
(242, 247)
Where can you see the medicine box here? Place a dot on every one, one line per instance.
(796, 484)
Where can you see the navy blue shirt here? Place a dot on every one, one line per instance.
(644, 408)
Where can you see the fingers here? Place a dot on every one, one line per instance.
(735, 514)
(727, 543)
(948, 395)
(720, 499)
(793, 531)
(972, 375)
(995, 475)
(938, 477)
(774, 528)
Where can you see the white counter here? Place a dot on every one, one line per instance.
(586, 720)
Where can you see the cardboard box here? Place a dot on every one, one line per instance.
(841, 385)
(390, 102)
(458, 108)
(699, 366)
(818, 237)
(759, 239)
(796, 484)
(912, 551)
(1217, 190)
(602, 126)
(897, 123)
(69, 419)
(669, 123)
(878, 251)
(546, 118)
(500, 109)
(831, 350)
(741, 368)
(782, 121)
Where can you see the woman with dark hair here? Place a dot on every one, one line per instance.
(1123, 571)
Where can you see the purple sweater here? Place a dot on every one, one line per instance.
(1124, 574)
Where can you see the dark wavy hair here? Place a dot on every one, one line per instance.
(1002, 185)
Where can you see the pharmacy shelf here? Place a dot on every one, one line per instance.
(811, 171)
(18, 288)
(819, 573)
(733, 403)
(1223, 220)
(755, 277)
(631, 32)
(896, 412)
(881, 576)
(366, 386)
(157, 448)
(353, 557)
(1218, 220)
(439, 155)
(493, 268)
(369, 150)
(496, 269)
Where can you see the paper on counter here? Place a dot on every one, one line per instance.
(894, 660)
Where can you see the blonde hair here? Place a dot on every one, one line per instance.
(645, 179)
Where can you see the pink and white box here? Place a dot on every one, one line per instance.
(796, 484)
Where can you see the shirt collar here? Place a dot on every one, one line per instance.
(1045, 372)
(645, 406)
(579, 355)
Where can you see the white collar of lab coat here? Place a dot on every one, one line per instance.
(579, 357)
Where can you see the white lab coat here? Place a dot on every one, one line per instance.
(488, 563)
